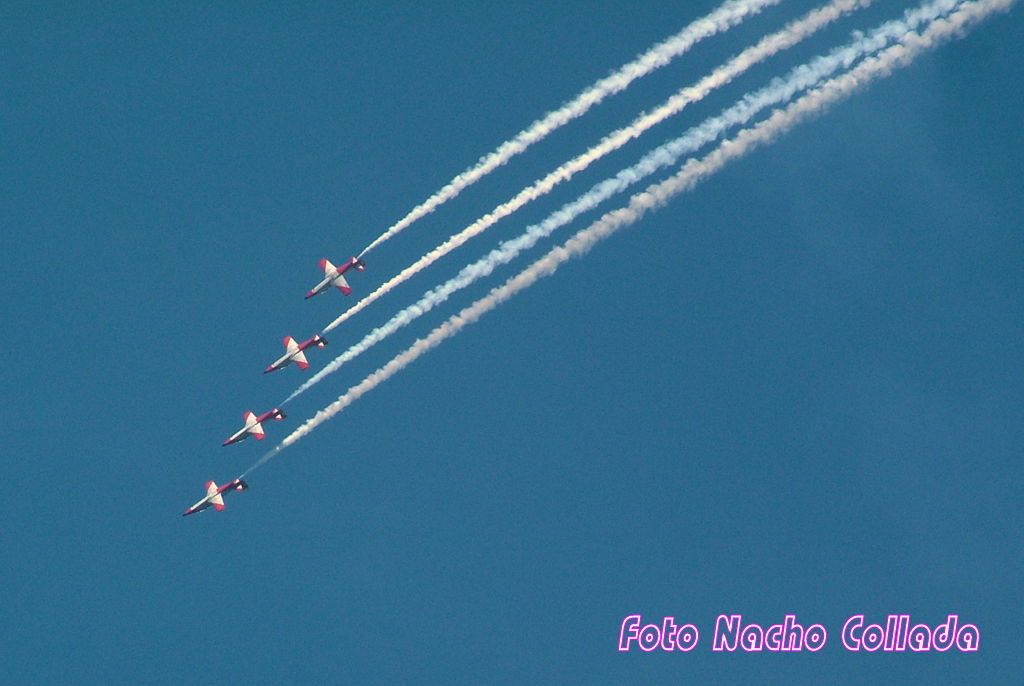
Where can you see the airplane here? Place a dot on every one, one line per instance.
(215, 496)
(254, 425)
(294, 353)
(333, 276)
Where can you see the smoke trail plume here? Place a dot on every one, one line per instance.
(778, 91)
(728, 15)
(814, 103)
(793, 33)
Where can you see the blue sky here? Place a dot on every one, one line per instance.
(796, 389)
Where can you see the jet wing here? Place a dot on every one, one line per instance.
(252, 426)
(215, 495)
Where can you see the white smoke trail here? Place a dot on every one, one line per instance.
(792, 34)
(814, 103)
(778, 91)
(728, 15)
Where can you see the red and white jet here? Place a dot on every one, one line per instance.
(333, 276)
(293, 352)
(215, 496)
(254, 425)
